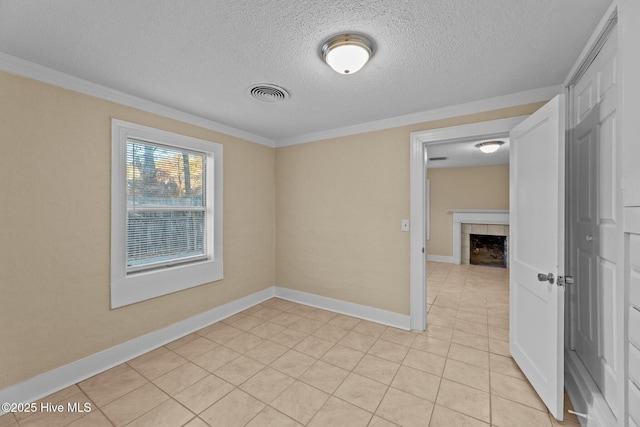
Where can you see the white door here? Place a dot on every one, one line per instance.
(594, 220)
(537, 248)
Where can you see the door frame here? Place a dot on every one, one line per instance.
(420, 142)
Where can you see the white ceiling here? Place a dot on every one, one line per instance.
(200, 56)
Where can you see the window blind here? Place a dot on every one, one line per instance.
(166, 206)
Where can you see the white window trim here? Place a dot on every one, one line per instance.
(134, 287)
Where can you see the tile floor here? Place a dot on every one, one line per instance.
(285, 364)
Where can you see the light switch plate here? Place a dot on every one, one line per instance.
(405, 225)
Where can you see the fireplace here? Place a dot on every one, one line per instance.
(490, 251)
(476, 221)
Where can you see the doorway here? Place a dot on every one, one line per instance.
(420, 143)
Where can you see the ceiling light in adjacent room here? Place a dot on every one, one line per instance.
(489, 147)
(347, 53)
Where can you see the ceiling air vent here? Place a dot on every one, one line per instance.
(268, 93)
(433, 159)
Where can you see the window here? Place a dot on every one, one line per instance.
(166, 206)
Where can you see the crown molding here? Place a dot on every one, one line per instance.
(496, 103)
(21, 67)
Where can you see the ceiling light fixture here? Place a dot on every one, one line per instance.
(347, 53)
(489, 147)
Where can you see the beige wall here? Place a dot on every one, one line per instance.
(55, 229)
(483, 187)
(339, 204)
(336, 215)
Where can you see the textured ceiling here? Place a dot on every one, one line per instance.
(200, 56)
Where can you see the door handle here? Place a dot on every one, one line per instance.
(546, 277)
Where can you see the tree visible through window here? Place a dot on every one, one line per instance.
(166, 205)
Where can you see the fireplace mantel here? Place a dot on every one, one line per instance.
(473, 216)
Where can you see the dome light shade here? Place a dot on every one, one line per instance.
(489, 147)
(347, 53)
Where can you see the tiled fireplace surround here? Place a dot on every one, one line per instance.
(476, 221)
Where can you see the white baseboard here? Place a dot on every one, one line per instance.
(57, 379)
(585, 395)
(372, 314)
(74, 372)
(440, 258)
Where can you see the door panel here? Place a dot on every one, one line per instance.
(585, 156)
(586, 323)
(537, 246)
(584, 99)
(593, 245)
(607, 278)
(608, 193)
(585, 236)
